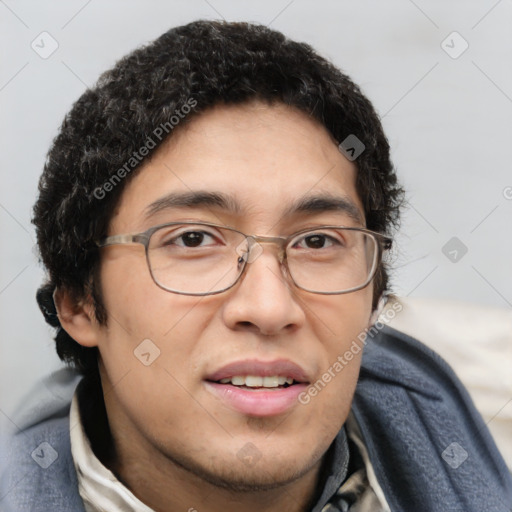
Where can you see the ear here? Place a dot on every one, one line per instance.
(77, 318)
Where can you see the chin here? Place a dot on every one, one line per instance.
(261, 477)
(256, 474)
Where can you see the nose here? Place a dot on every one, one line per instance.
(263, 301)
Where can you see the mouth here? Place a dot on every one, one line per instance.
(257, 388)
(255, 382)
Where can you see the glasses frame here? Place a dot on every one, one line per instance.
(382, 242)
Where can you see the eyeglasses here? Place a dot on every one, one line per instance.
(194, 258)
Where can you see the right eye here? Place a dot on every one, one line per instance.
(188, 237)
(192, 239)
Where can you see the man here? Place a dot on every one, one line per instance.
(214, 217)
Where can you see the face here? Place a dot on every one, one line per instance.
(174, 411)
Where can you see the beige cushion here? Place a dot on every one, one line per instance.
(476, 341)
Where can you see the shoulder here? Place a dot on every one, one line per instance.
(37, 471)
(424, 436)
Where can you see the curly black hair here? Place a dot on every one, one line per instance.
(203, 63)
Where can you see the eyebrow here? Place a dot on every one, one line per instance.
(326, 203)
(218, 200)
(193, 200)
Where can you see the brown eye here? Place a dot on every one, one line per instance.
(316, 241)
(192, 238)
(189, 239)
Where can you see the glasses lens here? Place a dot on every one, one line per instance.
(330, 260)
(200, 259)
(195, 258)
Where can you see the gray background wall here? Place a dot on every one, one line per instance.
(447, 119)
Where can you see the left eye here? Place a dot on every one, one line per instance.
(316, 241)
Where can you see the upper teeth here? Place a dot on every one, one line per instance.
(254, 381)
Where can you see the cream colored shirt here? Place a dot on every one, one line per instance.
(101, 491)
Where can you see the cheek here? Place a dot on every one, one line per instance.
(339, 320)
(147, 327)
(340, 325)
(149, 366)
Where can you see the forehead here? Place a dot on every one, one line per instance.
(264, 159)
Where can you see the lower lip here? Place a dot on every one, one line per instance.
(259, 402)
